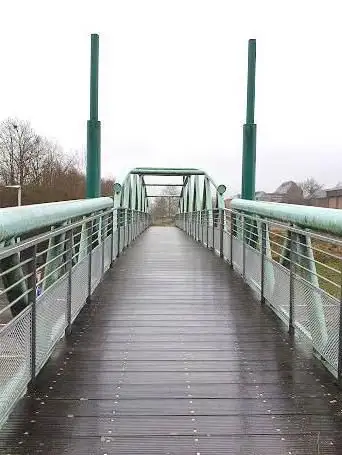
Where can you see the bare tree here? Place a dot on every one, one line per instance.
(40, 166)
(18, 146)
(310, 187)
(166, 206)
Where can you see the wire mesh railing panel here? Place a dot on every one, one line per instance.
(210, 237)
(96, 267)
(237, 254)
(115, 245)
(122, 238)
(226, 245)
(15, 361)
(51, 309)
(253, 267)
(79, 286)
(318, 315)
(277, 288)
(217, 239)
(107, 252)
(205, 234)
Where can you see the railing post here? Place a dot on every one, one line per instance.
(135, 224)
(221, 231)
(232, 229)
(128, 227)
(243, 247)
(200, 226)
(339, 365)
(263, 257)
(90, 247)
(214, 215)
(118, 227)
(112, 244)
(102, 239)
(124, 228)
(132, 226)
(292, 275)
(202, 221)
(33, 299)
(69, 241)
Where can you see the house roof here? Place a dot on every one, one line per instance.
(285, 187)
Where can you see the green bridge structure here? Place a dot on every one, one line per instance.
(220, 334)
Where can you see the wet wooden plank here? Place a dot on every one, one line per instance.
(174, 355)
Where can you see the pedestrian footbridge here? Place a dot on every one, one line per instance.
(220, 334)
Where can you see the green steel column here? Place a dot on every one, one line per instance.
(249, 130)
(93, 188)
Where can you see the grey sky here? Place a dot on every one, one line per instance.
(173, 79)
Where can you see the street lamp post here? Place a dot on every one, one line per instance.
(18, 187)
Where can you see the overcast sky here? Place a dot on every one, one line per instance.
(173, 82)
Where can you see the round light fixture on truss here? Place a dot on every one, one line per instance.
(221, 189)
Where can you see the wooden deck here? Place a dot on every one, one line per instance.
(174, 356)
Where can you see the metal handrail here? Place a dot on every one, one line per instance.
(293, 263)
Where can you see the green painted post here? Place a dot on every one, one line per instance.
(249, 130)
(93, 187)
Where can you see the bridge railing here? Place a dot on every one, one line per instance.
(291, 257)
(48, 275)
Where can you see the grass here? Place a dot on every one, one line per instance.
(327, 255)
